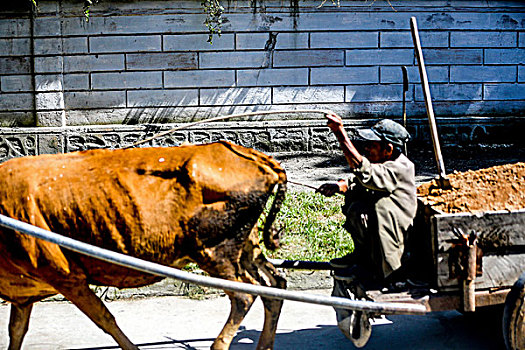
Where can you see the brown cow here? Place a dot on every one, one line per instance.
(167, 205)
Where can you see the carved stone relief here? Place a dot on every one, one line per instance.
(12, 146)
(271, 139)
(266, 140)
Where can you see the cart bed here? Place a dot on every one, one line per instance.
(501, 240)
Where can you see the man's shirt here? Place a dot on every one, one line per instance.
(390, 191)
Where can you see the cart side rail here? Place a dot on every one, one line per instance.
(500, 237)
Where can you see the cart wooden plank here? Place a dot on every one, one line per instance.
(498, 271)
(501, 237)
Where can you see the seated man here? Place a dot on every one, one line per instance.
(380, 197)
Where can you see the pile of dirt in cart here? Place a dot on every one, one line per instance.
(500, 187)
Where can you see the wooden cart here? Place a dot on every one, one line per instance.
(468, 261)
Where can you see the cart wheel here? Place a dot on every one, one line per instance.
(355, 325)
(514, 316)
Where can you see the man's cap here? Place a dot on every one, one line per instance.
(386, 130)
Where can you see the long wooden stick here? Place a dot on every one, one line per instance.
(428, 100)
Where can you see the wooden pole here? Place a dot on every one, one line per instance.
(469, 288)
(428, 103)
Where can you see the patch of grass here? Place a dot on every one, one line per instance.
(312, 228)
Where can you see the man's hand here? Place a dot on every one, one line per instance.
(335, 123)
(331, 188)
(353, 157)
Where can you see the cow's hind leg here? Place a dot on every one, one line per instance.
(81, 296)
(266, 274)
(240, 305)
(221, 263)
(272, 307)
(18, 324)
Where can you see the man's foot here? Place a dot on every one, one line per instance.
(343, 262)
(357, 274)
(398, 282)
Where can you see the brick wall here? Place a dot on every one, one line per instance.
(149, 62)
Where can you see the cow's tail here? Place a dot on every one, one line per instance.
(270, 234)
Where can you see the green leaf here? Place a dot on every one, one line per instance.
(213, 21)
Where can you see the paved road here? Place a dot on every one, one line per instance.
(179, 323)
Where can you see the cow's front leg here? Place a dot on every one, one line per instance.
(240, 305)
(78, 292)
(18, 324)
